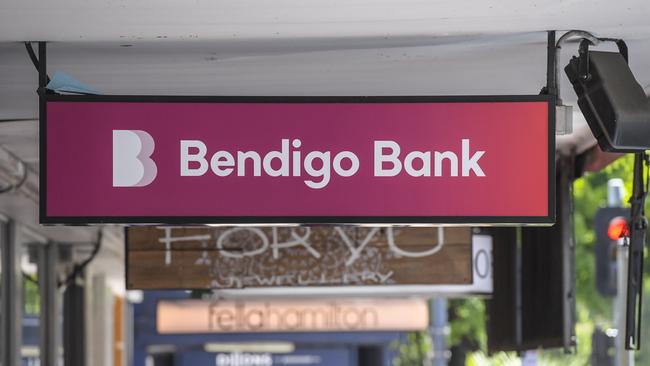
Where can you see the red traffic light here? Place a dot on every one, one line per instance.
(618, 228)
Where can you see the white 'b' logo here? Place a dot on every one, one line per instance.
(132, 164)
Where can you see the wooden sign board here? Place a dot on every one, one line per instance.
(254, 257)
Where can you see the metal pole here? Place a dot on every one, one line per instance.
(11, 307)
(519, 336)
(638, 226)
(623, 356)
(615, 198)
(551, 64)
(74, 337)
(49, 317)
(439, 323)
(438, 331)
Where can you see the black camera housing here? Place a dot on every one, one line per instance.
(612, 101)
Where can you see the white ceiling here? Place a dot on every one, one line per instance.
(225, 20)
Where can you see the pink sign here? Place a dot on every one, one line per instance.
(298, 160)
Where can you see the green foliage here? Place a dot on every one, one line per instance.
(31, 296)
(468, 322)
(500, 359)
(413, 350)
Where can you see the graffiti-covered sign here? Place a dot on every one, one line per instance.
(254, 257)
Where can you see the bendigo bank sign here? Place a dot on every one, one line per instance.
(298, 160)
(200, 316)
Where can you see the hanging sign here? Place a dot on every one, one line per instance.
(204, 316)
(235, 258)
(382, 160)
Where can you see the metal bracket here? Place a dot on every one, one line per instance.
(563, 114)
(583, 52)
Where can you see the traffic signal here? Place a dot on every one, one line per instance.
(618, 228)
(610, 224)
